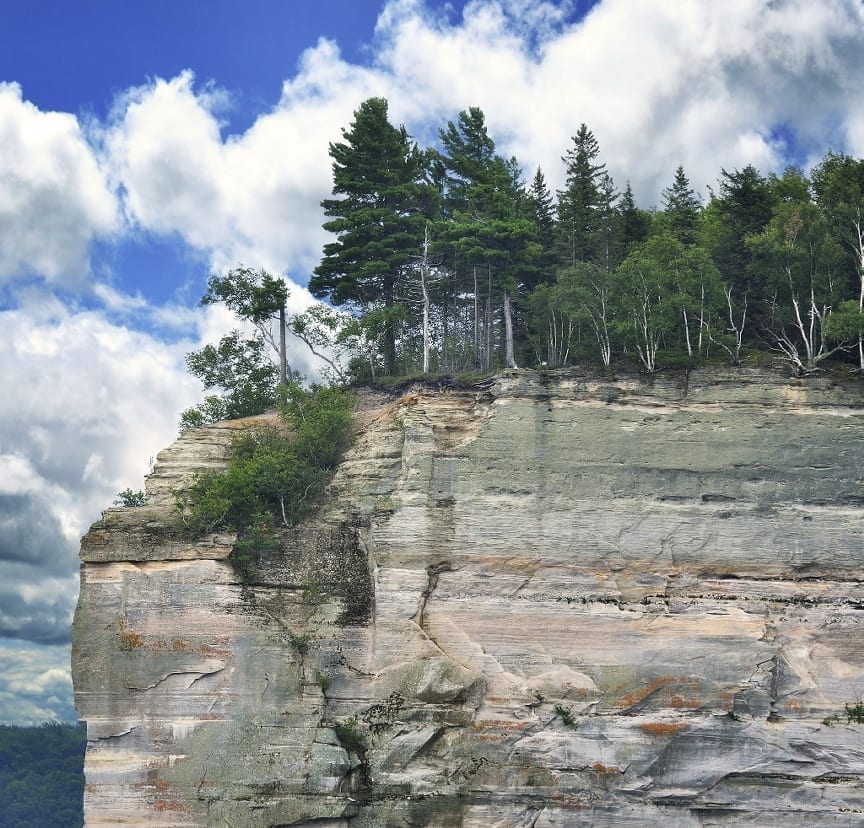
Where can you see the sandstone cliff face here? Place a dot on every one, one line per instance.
(563, 601)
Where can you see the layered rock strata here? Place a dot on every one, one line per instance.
(563, 600)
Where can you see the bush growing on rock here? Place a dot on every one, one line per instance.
(276, 472)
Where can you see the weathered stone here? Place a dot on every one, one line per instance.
(565, 600)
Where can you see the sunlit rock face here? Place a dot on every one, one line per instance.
(563, 600)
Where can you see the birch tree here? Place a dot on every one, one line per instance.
(838, 183)
(798, 260)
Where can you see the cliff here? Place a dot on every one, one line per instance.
(563, 600)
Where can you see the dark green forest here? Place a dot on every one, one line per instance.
(453, 260)
(42, 775)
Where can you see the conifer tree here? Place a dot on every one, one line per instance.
(608, 225)
(382, 199)
(635, 223)
(470, 164)
(681, 205)
(743, 208)
(489, 226)
(579, 201)
(542, 206)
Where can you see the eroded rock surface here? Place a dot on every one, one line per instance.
(565, 600)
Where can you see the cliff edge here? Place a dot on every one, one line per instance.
(563, 600)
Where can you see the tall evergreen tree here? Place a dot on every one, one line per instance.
(681, 206)
(742, 208)
(492, 232)
(542, 203)
(579, 201)
(635, 223)
(608, 225)
(384, 195)
(470, 161)
(541, 207)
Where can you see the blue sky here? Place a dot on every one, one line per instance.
(144, 145)
(77, 57)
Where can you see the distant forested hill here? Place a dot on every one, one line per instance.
(42, 775)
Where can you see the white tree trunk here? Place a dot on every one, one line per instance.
(283, 359)
(477, 354)
(509, 357)
(424, 285)
(859, 235)
(687, 332)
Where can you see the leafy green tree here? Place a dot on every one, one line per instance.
(241, 369)
(691, 285)
(42, 775)
(239, 366)
(580, 299)
(550, 328)
(257, 297)
(838, 184)
(642, 297)
(327, 332)
(383, 196)
(663, 296)
(800, 263)
(130, 499)
(276, 473)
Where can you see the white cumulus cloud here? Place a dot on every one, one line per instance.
(54, 196)
(709, 86)
(93, 400)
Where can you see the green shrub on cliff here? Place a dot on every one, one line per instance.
(276, 472)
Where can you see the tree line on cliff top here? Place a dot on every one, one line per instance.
(448, 260)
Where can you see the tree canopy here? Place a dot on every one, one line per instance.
(240, 366)
(382, 197)
(511, 274)
(443, 259)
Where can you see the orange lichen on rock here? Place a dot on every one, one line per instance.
(637, 696)
(661, 729)
(129, 639)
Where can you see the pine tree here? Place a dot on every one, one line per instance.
(542, 204)
(579, 201)
(541, 208)
(385, 198)
(469, 161)
(681, 205)
(635, 223)
(743, 208)
(490, 227)
(608, 225)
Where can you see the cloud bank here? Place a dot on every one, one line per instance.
(92, 401)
